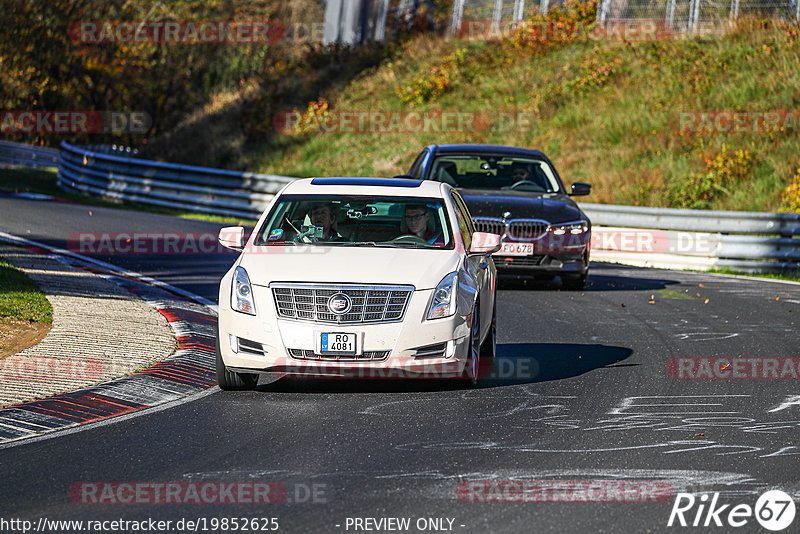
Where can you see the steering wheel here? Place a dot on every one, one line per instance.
(524, 182)
(409, 238)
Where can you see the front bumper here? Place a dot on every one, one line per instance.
(542, 263)
(550, 255)
(267, 344)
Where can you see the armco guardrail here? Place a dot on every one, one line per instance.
(671, 249)
(22, 155)
(652, 237)
(185, 187)
(695, 239)
(728, 222)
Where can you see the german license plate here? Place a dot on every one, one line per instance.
(338, 343)
(515, 249)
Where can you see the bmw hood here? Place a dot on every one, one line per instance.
(422, 268)
(553, 208)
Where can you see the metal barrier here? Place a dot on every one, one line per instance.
(185, 187)
(652, 237)
(726, 222)
(690, 16)
(669, 249)
(22, 155)
(695, 239)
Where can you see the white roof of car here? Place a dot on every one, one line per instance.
(400, 187)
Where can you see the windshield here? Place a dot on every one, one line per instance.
(495, 172)
(357, 221)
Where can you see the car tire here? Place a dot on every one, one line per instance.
(489, 345)
(469, 377)
(574, 283)
(231, 381)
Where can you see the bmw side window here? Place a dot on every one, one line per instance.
(418, 172)
(415, 166)
(464, 224)
(463, 206)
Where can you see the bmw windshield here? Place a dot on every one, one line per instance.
(495, 172)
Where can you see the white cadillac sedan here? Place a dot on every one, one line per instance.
(358, 278)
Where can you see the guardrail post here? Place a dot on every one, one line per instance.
(333, 22)
(734, 9)
(670, 17)
(380, 30)
(497, 14)
(694, 15)
(602, 12)
(350, 14)
(458, 13)
(519, 10)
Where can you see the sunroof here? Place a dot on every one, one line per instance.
(386, 182)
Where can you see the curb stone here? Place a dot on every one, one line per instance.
(189, 370)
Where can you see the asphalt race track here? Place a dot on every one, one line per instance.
(585, 389)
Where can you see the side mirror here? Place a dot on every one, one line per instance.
(484, 243)
(580, 189)
(231, 237)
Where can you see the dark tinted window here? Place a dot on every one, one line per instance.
(495, 173)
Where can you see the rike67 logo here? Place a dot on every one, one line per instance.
(774, 510)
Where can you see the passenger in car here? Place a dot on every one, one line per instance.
(417, 220)
(324, 216)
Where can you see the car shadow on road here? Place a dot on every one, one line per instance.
(515, 364)
(595, 282)
(525, 363)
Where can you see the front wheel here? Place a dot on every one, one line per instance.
(489, 345)
(470, 374)
(231, 381)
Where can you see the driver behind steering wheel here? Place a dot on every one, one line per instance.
(323, 215)
(520, 173)
(417, 221)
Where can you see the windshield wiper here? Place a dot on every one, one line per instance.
(373, 244)
(272, 243)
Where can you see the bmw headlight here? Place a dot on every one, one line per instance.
(574, 228)
(444, 298)
(242, 293)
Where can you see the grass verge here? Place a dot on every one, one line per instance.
(772, 276)
(20, 297)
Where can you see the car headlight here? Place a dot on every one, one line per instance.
(242, 293)
(444, 298)
(574, 228)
